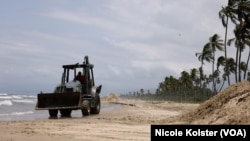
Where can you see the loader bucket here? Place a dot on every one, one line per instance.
(58, 101)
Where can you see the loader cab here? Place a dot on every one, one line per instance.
(71, 71)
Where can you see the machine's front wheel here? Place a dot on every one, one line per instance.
(65, 112)
(85, 111)
(96, 109)
(53, 113)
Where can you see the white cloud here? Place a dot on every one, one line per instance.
(115, 70)
(129, 42)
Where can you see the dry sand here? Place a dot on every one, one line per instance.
(132, 121)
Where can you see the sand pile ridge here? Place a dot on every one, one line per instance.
(230, 106)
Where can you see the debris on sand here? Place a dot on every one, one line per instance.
(111, 98)
(230, 106)
(122, 103)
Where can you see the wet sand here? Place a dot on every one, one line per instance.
(131, 121)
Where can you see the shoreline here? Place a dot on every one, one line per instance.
(33, 114)
(125, 123)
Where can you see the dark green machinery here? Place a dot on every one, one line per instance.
(73, 93)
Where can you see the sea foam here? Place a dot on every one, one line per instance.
(6, 103)
(17, 113)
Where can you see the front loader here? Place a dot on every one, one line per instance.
(73, 93)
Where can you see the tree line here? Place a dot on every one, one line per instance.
(198, 85)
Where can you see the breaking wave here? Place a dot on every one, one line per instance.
(24, 101)
(3, 94)
(8, 100)
(17, 113)
(17, 107)
(6, 103)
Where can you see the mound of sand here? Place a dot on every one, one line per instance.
(230, 106)
(111, 98)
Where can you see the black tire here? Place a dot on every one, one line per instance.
(65, 112)
(85, 111)
(53, 112)
(96, 110)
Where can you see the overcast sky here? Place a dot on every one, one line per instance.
(133, 44)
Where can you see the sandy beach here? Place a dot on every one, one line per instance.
(132, 121)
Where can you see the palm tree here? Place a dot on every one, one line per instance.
(241, 40)
(142, 92)
(244, 68)
(240, 10)
(214, 43)
(186, 83)
(205, 55)
(170, 87)
(224, 14)
(231, 65)
(221, 61)
(186, 80)
(193, 75)
(248, 58)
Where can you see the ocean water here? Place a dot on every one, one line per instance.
(19, 107)
(22, 107)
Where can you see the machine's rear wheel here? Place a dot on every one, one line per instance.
(53, 112)
(96, 110)
(85, 111)
(65, 112)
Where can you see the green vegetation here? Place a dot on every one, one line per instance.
(195, 85)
